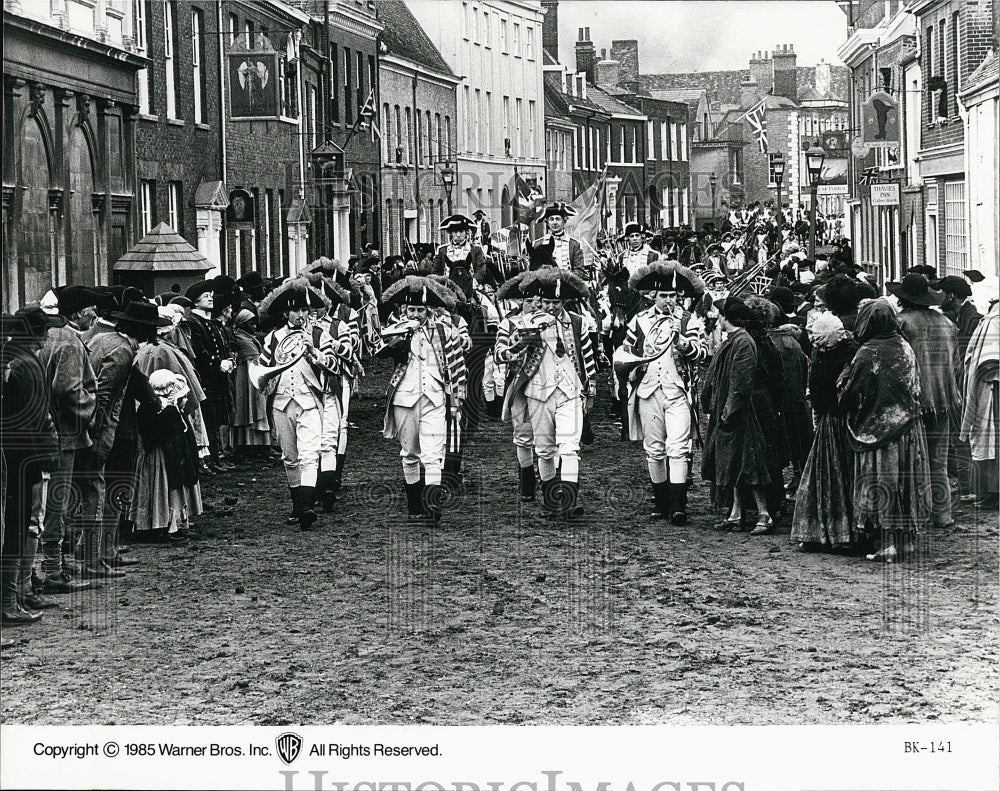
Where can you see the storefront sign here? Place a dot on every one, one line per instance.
(254, 87)
(885, 194)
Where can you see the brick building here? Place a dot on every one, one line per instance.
(70, 106)
(179, 131)
(418, 111)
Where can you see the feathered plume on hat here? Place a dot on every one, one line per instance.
(418, 290)
(296, 292)
(332, 291)
(451, 286)
(551, 282)
(667, 276)
(511, 289)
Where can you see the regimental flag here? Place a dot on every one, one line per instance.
(587, 222)
(528, 201)
(869, 176)
(757, 118)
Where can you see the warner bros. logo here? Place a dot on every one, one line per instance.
(289, 746)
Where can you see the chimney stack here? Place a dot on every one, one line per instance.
(749, 93)
(608, 73)
(586, 54)
(761, 72)
(823, 77)
(785, 74)
(550, 28)
(626, 52)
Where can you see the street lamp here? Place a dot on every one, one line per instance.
(448, 179)
(713, 180)
(814, 166)
(778, 164)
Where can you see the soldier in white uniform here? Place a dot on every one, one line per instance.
(297, 394)
(426, 391)
(636, 255)
(659, 392)
(555, 379)
(509, 333)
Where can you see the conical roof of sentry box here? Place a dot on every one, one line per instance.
(163, 250)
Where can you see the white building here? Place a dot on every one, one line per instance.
(980, 102)
(496, 48)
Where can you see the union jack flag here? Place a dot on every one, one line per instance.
(869, 176)
(758, 124)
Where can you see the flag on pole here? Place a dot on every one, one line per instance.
(367, 118)
(587, 221)
(757, 117)
(528, 200)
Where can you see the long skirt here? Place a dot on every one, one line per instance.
(892, 486)
(823, 509)
(249, 426)
(156, 506)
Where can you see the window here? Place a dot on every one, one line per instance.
(386, 133)
(311, 116)
(487, 33)
(447, 136)
(266, 228)
(175, 209)
(148, 204)
(650, 138)
(503, 36)
(466, 21)
(928, 55)
(684, 141)
(397, 118)
(197, 58)
(234, 26)
(529, 43)
(955, 43)
(248, 34)
(664, 144)
(942, 64)
(429, 142)
(507, 123)
(334, 84)
(487, 123)
(360, 97)
(476, 121)
(519, 110)
(348, 87)
(955, 251)
(142, 22)
(440, 142)
(531, 129)
(475, 25)
(408, 156)
(517, 40)
(169, 10)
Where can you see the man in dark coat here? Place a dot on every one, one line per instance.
(935, 343)
(215, 361)
(30, 444)
(567, 253)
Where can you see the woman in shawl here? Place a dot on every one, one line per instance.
(879, 394)
(168, 491)
(981, 414)
(823, 516)
(737, 458)
(250, 431)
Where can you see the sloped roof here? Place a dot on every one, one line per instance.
(988, 70)
(404, 37)
(162, 250)
(678, 94)
(608, 103)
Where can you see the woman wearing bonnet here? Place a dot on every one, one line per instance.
(823, 516)
(168, 492)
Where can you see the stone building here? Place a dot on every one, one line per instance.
(417, 90)
(70, 108)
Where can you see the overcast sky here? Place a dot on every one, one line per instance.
(703, 35)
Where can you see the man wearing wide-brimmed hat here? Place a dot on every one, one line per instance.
(296, 393)
(659, 393)
(103, 472)
(215, 361)
(74, 399)
(935, 343)
(426, 391)
(555, 380)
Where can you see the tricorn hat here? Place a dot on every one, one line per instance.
(915, 289)
(631, 227)
(951, 284)
(457, 222)
(73, 299)
(558, 209)
(785, 298)
(141, 313)
(667, 276)
(550, 282)
(418, 290)
(198, 289)
(31, 322)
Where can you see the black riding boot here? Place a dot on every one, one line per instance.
(661, 496)
(678, 504)
(526, 480)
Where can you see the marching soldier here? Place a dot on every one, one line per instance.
(426, 391)
(637, 254)
(671, 342)
(508, 333)
(566, 251)
(555, 382)
(296, 393)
